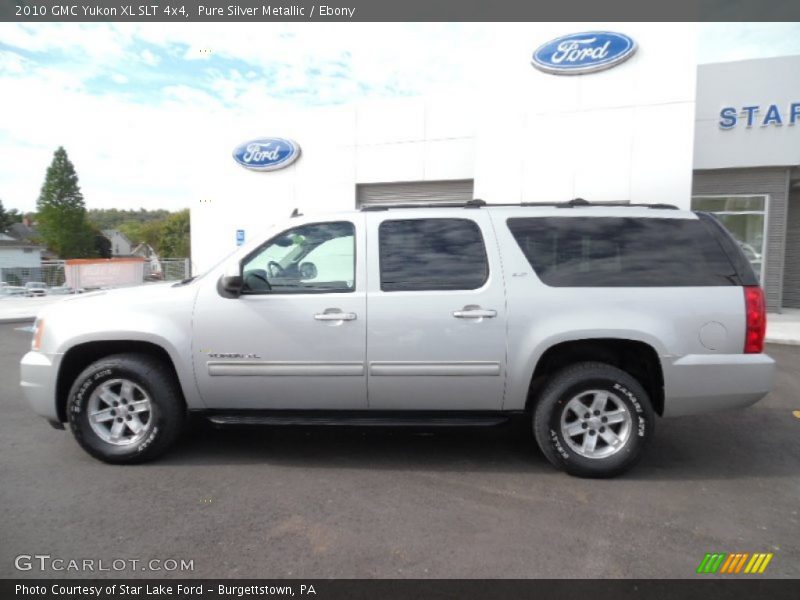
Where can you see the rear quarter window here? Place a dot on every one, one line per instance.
(622, 252)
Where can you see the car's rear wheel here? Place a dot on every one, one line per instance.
(593, 420)
(126, 408)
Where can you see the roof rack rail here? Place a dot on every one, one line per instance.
(474, 203)
(477, 203)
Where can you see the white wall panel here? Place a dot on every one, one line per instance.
(603, 158)
(661, 167)
(546, 157)
(390, 162)
(384, 121)
(449, 159)
(623, 133)
(449, 117)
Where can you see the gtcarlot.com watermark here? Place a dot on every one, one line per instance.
(49, 563)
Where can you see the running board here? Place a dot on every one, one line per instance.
(360, 418)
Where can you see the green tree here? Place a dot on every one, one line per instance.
(149, 233)
(113, 218)
(5, 221)
(62, 220)
(8, 217)
(175, 235)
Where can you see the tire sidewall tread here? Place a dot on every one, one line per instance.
(567, 383)
(165, 396)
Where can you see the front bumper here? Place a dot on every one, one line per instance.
(38, 381)
(701, 383)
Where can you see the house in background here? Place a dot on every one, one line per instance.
(24, 231)
(120, 244)
(20, 261)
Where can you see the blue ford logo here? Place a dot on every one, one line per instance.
(583, 52)
(266, 154)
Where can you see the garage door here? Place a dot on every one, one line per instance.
(421, 191)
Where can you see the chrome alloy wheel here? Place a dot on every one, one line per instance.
(120, 412)
(596, 424)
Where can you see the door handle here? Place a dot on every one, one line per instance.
(474, 312)
(335, 315)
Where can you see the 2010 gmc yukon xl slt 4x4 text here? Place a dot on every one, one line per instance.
(589, 319)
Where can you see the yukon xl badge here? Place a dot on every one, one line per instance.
(581, 53)
(266, 154)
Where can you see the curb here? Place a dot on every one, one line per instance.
(5, 321)
(783, 341)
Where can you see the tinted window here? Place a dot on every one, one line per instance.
(432, 254)
(616, 252)
(313, 258)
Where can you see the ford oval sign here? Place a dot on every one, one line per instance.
(266, 154)
(581, 53)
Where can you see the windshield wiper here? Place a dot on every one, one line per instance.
(185, 281)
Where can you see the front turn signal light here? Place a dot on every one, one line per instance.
(38, 330)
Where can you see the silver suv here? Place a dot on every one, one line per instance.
(588, 320)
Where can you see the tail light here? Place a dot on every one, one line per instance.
(756, 319)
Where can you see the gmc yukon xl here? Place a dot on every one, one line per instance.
(587, 319)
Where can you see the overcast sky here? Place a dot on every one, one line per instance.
(111, 93)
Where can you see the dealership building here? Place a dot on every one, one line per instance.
(618, 113)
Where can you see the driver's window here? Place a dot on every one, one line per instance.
(313, 258)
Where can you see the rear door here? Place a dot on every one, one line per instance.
(436, 331)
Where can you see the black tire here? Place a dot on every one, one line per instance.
(164, 420)
(572, 381)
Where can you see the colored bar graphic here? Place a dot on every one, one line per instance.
(711, 562)
(754, 563)
(703, 563)
(726, 566)
(724, 563)
(741, 562)
(764, 564)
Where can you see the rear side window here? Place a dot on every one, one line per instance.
(622, 252)
(431, 254)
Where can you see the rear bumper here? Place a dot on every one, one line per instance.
(701, 383)
(38, 379)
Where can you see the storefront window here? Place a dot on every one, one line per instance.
(744, 217)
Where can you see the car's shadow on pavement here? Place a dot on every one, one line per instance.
(507, 448)
(714, 447)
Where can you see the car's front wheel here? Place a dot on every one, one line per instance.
(593, 420)
(125, 408)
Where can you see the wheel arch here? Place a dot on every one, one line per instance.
(80, 356)
(637, 358)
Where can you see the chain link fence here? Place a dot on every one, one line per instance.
(167, 269)
(52, 272)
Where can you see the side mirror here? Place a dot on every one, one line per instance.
(230, 286)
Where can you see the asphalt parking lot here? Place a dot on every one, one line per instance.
(355, 503)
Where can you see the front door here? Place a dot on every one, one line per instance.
(296, 337)
(437, 318)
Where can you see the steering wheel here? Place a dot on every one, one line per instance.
(275, 270)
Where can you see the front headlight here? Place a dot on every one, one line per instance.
(38, 331)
